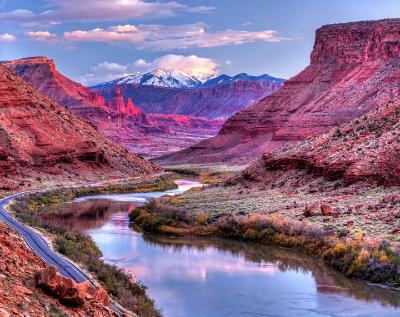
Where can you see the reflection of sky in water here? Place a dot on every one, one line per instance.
(208, 282)
(183, 185)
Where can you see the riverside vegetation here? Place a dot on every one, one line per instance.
(324, 224)
(82, 249)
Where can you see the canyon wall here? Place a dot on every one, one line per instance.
(354, 67)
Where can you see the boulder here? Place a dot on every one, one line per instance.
(64, 289)
(326, 210)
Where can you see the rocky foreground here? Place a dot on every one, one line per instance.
(354, 67)
(31, 288)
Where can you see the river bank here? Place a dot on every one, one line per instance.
(188, 276)
(81, 249)
(353, 229)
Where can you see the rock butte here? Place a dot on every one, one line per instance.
(354, 67)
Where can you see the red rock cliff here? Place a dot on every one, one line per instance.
(354, 68)
(39, 139)
(41, 72)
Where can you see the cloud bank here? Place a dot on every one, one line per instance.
(102, 10)
(172, 37)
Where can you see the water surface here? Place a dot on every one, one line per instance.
(217, 277)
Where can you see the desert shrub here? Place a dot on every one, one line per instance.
(356, 256)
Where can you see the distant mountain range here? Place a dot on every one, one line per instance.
(172, 78)
(225, 79)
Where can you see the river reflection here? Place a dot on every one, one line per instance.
(216, 277)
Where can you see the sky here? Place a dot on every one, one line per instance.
(93, 41)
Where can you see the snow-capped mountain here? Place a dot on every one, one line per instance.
(224, 79)
(172, 78)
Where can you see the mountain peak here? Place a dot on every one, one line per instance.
(175, 78)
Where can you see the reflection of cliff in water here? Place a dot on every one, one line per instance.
(327, 280)
(83, 215)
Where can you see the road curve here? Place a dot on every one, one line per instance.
(36, 242)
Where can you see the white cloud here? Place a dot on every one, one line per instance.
(40, 34)
(103, 10)
(106, 71)
(198, 66)
(124, 28)
(101, 35)
(7, 37)
(161, 37)
(141, 64)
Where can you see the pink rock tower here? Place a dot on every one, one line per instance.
(131, 110)
(118, 101)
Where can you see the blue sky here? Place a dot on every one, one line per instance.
(96, 40)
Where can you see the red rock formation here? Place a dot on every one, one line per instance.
(365, 149)
(118, 101)
(41, 139)
(354, 67)
(131, 110)
(68, 291)
(148, 136)
(41, 72)
(217, 102)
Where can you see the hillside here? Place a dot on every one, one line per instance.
(20, 294)
(42, 141)
(354, 67)
(365, 149)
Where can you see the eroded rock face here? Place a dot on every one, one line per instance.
(41, 139)
(354, 68)
(41, 73)
(68, 291)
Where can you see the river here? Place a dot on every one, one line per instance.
(217, 277)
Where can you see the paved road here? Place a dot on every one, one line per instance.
(42, 249)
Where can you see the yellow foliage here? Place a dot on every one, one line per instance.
(383, 257)
(358, 235)
(339, 249)
(174, 230)
(202, 219)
